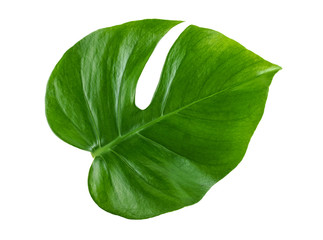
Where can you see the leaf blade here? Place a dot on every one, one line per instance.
(208, 103)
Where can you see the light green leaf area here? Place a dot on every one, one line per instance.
(209, 100)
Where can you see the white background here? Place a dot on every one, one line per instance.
(276, 191)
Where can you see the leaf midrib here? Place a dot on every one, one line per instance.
(121, 138)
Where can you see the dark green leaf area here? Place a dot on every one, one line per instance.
(209, 101)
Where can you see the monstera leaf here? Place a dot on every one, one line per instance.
(209, 100)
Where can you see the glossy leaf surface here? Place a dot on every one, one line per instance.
(209, 100)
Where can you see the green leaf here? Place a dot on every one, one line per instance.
(209, 100)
